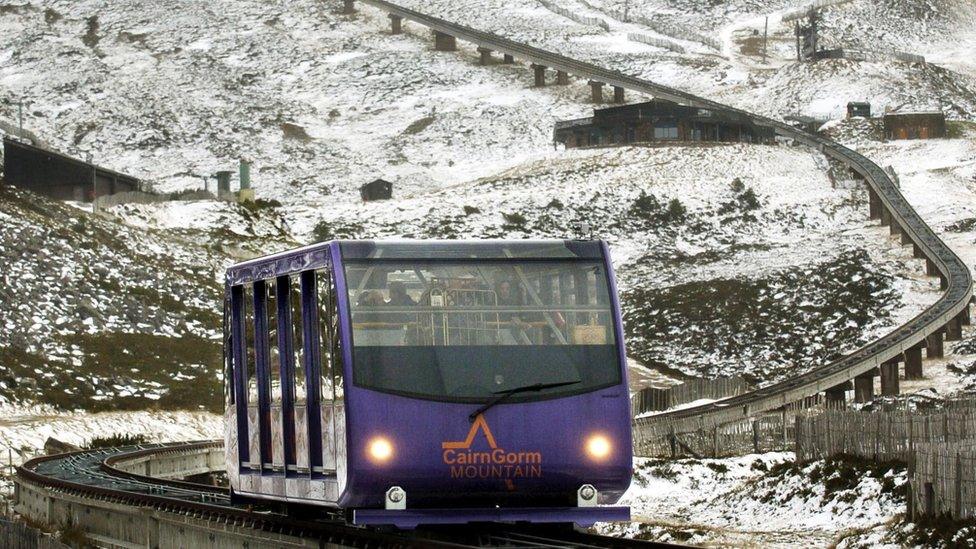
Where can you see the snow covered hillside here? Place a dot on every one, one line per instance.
(733, 259)
(703, 237)
(98, 315)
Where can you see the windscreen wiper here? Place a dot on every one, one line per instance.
(503, 395)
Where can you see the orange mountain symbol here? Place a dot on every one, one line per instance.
(479, 423)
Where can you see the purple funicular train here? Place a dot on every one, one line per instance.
(430, 382)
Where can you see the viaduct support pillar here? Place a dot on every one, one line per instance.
(348, 7)
(889, 378)
(885, 216)
(913, 362)
(874, 204)
(864, 387)
(933, 346)
(508, 59)
(562, 78)
(964, 318)
(597, 90)
(836, 396)
(893, 228)
(953, 330)
(905, 238)
(485, 55)
(618, 94)
(396, 24)
(540, 75)
(917, 252)
(930, 268)
(444, 42)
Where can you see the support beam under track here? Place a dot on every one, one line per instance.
(889, 378)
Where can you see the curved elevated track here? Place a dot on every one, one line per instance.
(957, 283)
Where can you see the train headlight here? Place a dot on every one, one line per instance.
(598, 447)
(380, 450)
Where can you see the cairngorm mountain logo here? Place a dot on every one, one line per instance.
(494, 463)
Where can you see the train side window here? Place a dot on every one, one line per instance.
(336, 341)
(251, 356)
(295, 297)
(323, 283)
(274, 356)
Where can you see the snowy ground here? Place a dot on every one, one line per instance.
(761, 500)
(26, 431)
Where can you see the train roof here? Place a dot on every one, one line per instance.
(418, 250)
(471, 249)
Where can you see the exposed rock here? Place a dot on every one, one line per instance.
(55, 446)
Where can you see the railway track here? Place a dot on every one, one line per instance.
(103, 477)
(956, 279)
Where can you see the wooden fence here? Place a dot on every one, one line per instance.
(943, 480)
(656, 42)
(139, 197)
(654, 399)
(882, 435)
(938, 445)
(17, 535)
(569, 14)
(769, 432)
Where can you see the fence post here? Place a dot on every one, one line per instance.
(784, 428)
(911, 435)
(715, 442)
(674, 442)
(957, 504)
(911, 511)
(755, 436)
(829, 440)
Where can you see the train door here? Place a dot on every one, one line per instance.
(263, 377)
(296, 427)
(247, 375)
(239, 373)
(272, 416)
(329, 378)
(324, 452)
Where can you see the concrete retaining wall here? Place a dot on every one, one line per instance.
(111, 524)
(175, 465)
(139, 197)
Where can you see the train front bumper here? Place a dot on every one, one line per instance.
(408, 519)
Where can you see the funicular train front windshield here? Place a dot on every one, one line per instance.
(466, 329)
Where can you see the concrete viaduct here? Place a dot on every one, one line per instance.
(942, 321)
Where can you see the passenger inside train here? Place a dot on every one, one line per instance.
(456, 328)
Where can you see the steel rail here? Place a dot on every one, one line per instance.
(958, 280)
(95, 474)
